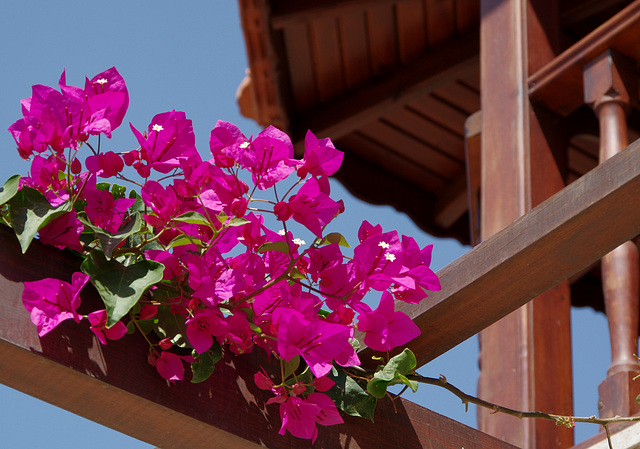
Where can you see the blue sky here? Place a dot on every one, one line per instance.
(192, 58)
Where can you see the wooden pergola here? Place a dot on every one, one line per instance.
(398, 85)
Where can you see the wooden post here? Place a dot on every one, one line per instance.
(610, 85)
(526, 357)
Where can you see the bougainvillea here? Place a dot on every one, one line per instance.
(216, 246)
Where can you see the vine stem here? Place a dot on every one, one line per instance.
(558, 419)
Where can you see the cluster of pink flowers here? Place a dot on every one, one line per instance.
(229, 279)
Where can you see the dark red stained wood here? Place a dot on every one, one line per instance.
(114, 385)
(410, 24)
(472, 130)
(327, 58)
(287, 11)
(413, 124)
(610, 84)
(363, 146)
(382, 38)
(355, 54)
(441, 20)
(392, 90)
(463, 97)
(521, 352)
(300, 66)
(550, 243)
(413, 149)
(439, 112)
(558, 85)
(467, 13)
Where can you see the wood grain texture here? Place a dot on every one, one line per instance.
(550, 243)
(114, 386)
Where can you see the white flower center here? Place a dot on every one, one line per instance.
(281, 232)
(157, 128)
(384, 245)
(102, 81)
(390, 257)
(299, 241)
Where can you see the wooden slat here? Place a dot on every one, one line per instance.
(558, 85)
(114, 386)
(364, 147)
(441, 113)
(460, 96)
(289, 11)
(420, 127)
(553, 241)
(383, 41)
(327, 58)
(410, 25)
(441, 20)
(400, 86)
(355, 52)
(413, 149)
(300, 66)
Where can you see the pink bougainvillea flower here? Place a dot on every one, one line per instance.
(269, 158)
(170, 366)
(203, 326)
(105, 165)
(415, 275)
(168, 140)
(163, 202)
(63, 232)
(99, 108)
(32, 135)
(318, 342)
(320, 159)
(51, 301)
(385, 328)
(227, 144)
(300, 416)
(311, 207)
(98, 320)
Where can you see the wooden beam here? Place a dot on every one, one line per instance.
(439, 66)
(564, 234)
(114, 386)
(285, 12)
(558, 85)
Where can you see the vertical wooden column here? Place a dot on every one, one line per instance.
(526, 357)
(610, 85)
(472, 150)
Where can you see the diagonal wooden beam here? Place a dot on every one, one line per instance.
(115, 386)
(289, 11)
(555, 240)
(434, 69)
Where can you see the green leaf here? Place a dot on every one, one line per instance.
(109, 241)
(120, 287)
(29, 212)
(118, 192)
(183, 239)
(335, 237)
(9, 189)
(350, 395)
(236, 221)
(167, 324)
(222, 217)
(281, 246)
(204, 365)
(193, 218)
(291, 366)
(393, 373)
